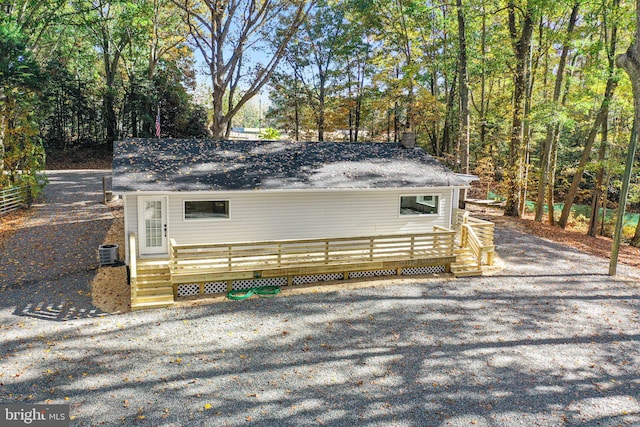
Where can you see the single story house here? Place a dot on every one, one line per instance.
(199, 192)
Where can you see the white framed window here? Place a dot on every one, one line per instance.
(205, 209)
(419, 205)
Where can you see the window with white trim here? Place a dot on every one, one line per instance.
(206, 209)
(419, 205)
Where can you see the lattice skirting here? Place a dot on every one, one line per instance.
(191, 289)
(432, 269)
(373, 273)
(215, 287)
(303, 280)
(188, 290)
(239, 285)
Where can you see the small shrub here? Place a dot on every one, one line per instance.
(579, 220)
(270, 134)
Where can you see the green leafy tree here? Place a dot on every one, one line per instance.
(19, 79)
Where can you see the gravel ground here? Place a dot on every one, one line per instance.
(551, 340)
(47, 264)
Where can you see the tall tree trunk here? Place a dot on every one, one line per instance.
(586, 152)
(554, 154)
(597, 191)
(360, 89)
(3, 127)
(321, 108)
(600, 117)
(553, 128)
(483, 85)
(630, 62)
(110, 114)
(521, 45)
(526, 125)
(447, 128)
(463, 132)
(297, 119)
(463, 77)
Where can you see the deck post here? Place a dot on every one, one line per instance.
(490, 258)
(371, 249)
(412, 250)
(279, 254)
(172, 256)
(326, 252)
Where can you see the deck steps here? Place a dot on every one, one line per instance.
(153, 286)
(466, 264)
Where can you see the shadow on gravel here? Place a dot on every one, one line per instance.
(434, 354)
(59, 313)
(47, 266)
(62, 299)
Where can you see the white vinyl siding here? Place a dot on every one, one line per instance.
(298, 215)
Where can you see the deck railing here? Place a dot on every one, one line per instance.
(470, 240)
(307, 254)
(483, 232)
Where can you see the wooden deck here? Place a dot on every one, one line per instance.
(204, 269)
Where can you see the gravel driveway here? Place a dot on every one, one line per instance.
(549, 341)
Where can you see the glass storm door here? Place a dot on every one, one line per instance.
(152, 225)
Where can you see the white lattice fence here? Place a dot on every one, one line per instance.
(373, 273)
(188, 290)
(191, 289)
(215, 288)
(239, 285)
(303, 280)
(432, 269)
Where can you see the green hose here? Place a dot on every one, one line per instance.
(267, 291)
(263, 292)
(240, 294)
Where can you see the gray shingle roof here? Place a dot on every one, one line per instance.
(205, 165)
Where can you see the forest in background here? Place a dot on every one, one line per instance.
(525, 94)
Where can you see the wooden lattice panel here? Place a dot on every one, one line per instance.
(239, 285)
(374, 273)
(303, 280)
(215, 287)
(188, 290)
(432, 269)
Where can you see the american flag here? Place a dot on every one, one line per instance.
(158, 124)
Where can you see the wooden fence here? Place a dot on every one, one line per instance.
(14, 198)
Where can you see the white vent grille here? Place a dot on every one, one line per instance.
(188, 290)
(374, 273)
(432, 269)
(303, 280)
(215, 287)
